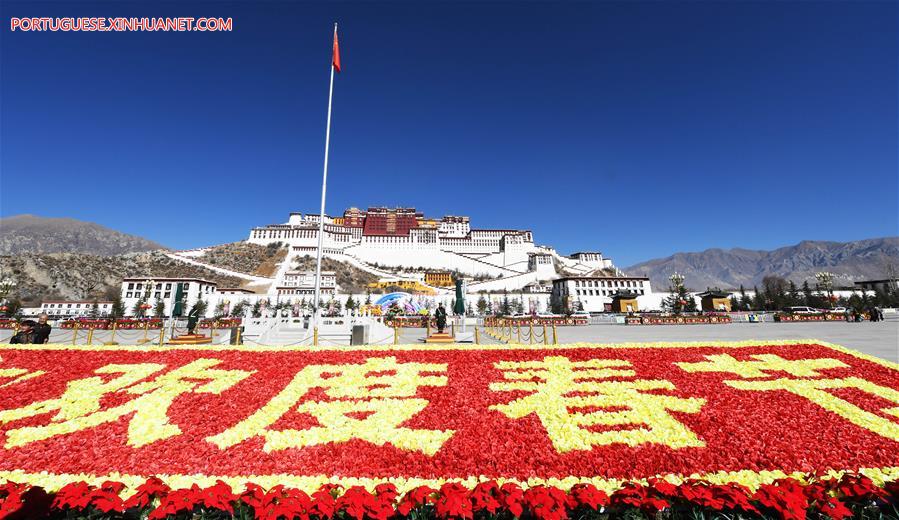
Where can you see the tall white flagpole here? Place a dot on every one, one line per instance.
(321, 216)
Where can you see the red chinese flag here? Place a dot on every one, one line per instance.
(336, 58)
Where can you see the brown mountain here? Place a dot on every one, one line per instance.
(80, 276)
(729, 268)
(33, 234)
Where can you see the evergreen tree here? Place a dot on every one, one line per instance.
(95, 309)
(219, 309)
(758, 300)
(159, 310)
(350, 303)
(744, 300)
(482, 305)
(200, 306)
(239, 308)
(367, 297)
(118, 309)
(137, 311)
(680, 299)
(807, 295)
(793, 297)
(256, 311)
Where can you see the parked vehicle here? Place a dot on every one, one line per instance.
(801, 310)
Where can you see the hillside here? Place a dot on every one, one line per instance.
(729, 268)
(246, 258)
(33, 234)
(82, 276)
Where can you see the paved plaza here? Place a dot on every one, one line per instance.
(879, 339)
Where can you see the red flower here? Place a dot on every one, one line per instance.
(414, 498)
(857, 487)
(512, 496)
(323, 502)
(220, 496)
(146, 492)
(177, 501)
(547, 503)
(835, 509)
(639, 496)
(453, 502)
(11, 498)
(588, 496)
(484, 497)
(107, 498)
(76, 495)
(786, 497)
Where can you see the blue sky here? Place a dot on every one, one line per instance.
(638, 129)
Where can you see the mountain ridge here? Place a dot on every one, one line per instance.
(729, 268)
(35, 234)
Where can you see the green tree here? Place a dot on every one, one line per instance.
(219, 311)
(159, 310)
(350, 303)
(137, 311)
(482, 305)
(95, 309)
(680, 299)
(793, 297)
(199, 306)
(775, 288)
(744, 300)
(758, 299)
(118, 308)
(239, 308)
(256, 311)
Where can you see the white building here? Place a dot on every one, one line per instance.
(593, 293)
(55, 309)
(154, 289)
(405, 238)
(296, 285)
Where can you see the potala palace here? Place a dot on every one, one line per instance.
(403, 247)
(403, 237)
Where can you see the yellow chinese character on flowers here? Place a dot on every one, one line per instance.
(17, 375)
(79, 407)
(368, 401)
(558, 387)
(761, 364)
(815, 390)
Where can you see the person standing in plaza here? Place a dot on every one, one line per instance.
(440, 314)
(42, 330)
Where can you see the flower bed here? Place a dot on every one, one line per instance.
(553, 420)
(104, 324)
(559, 321)
(822, 316)
(677, 320)
(220, 323)
(7, 323)
(414, 321)
(835, 498)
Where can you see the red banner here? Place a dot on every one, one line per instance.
(415, 414)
